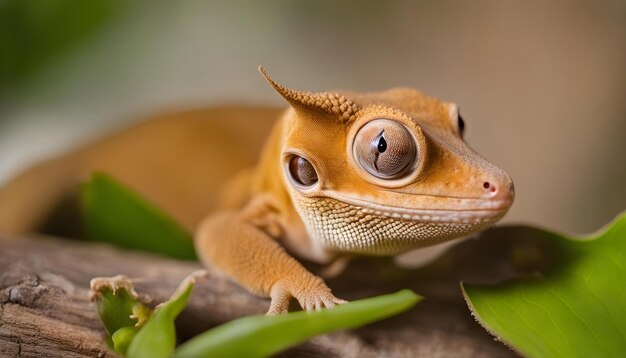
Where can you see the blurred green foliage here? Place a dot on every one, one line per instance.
(34, 32)
(115, 214)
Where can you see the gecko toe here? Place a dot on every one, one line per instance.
(280, 299)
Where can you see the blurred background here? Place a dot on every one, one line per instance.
(541, 84)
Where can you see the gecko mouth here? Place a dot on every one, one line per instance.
(356, 225)
(481, 211)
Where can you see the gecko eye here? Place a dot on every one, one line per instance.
(384, 148)
(302, 171)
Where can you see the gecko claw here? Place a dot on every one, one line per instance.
(313, 298)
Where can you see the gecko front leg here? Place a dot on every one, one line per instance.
(237, 243)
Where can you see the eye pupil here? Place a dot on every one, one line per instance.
(382, 144)
(302, 171)
(461, 124)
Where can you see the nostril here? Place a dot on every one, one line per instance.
(490, 188)
(498, 189)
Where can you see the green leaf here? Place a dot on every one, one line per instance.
(157, 338)
(575, 307)
(260, 336)
(32, 33)
(119, 309)
(117, 303)
(114, 213)
(115, 310)
(122, 338)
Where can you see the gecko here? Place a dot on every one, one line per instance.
(344, 174)
(341, 174)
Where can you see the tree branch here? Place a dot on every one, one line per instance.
(45, 309)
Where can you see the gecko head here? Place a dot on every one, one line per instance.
(386, 172)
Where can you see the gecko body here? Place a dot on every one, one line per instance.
(350, 174)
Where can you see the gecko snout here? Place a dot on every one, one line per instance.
(499, 189)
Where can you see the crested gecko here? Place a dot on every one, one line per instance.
(350, 173)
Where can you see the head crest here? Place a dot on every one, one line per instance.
(327, 102)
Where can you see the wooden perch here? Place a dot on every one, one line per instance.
(45, 309)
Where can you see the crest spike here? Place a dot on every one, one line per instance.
(328, 102)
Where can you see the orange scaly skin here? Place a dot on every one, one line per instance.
(448, 191)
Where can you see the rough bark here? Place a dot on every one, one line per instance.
(45, 310)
